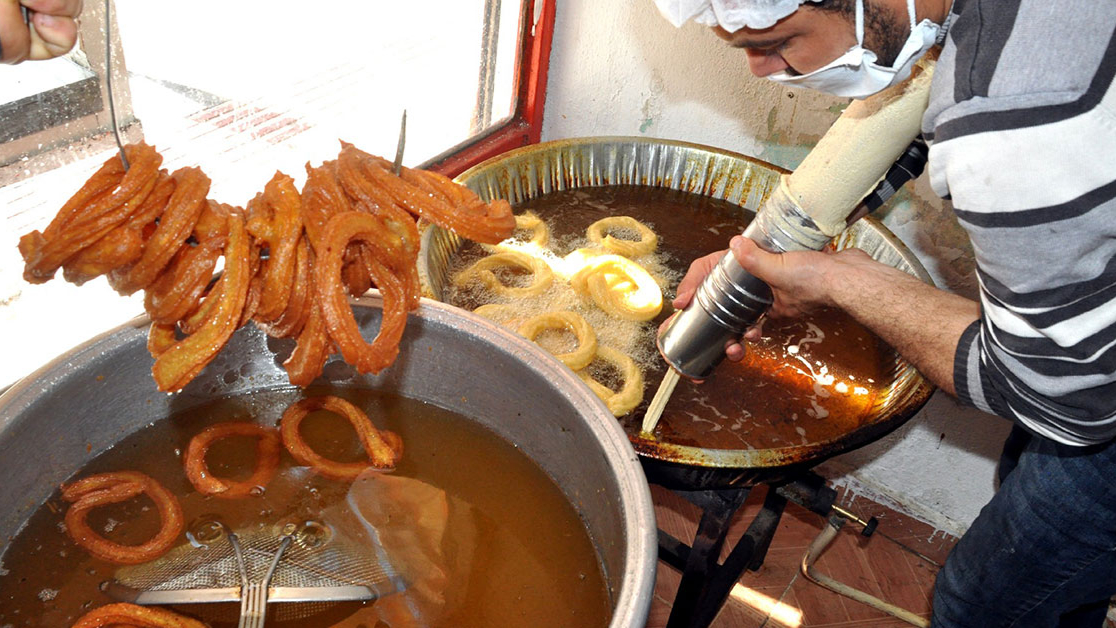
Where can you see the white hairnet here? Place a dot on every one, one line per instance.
(731, 15)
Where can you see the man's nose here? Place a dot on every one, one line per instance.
(765, 62)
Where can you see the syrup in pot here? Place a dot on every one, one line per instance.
(510, 549)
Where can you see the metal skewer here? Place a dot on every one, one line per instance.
(397, 167)
(108, 82)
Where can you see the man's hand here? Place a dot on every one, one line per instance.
(52, 30)
(921, 322)
(796, 280)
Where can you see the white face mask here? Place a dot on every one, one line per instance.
(856, 74)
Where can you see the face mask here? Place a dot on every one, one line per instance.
(856, 74)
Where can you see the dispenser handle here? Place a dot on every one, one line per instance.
(907, 167)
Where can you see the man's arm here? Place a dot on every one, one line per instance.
(922, 323)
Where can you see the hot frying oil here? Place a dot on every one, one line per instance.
(509, 551)
(805, 381)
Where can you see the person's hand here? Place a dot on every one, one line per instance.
(800, 281)
(697, 272)
(51, 32)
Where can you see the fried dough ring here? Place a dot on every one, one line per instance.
(111, 488)
(180, 363)
(124, 244)
(107, 200)
(275, 221)
(481, 271)
(399, 239)
(294, 317)
(176, 292)
(384, 448)
(268, 447)
(322, 199)
(527, 221)
(598, 233)
(365, 357)
(436, 198)
(311, 349)
(540, 233)
(620, 287)
(630, 394)
(570, 321)
(123, 614)
(160, 337)
(176, 223)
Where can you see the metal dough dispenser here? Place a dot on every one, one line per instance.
(809, 208)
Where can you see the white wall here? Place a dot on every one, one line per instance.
(618, 68)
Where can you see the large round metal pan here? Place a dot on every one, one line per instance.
(527, 173)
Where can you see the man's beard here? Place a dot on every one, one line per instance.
(885, 32)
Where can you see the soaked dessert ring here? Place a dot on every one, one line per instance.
(384, 448)
(620, 287)
(646, 244)
(267, 460)
(124, 614)
(630, 394)
(481, 271)
(571, 321)
(111, 488)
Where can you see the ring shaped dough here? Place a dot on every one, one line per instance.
(586, 338)
(620, 287)
(540, 233)
(630, 394)
(628, 248)
(527, 221)
(481, 271)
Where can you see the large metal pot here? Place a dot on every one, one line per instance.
(79, 405)
(527, 173)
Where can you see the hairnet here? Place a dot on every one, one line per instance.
(731, 15)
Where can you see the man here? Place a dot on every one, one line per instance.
(1022, 121)
(50, 30)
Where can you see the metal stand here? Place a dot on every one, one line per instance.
(706, 583)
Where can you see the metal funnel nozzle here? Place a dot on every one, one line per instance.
(729, 301)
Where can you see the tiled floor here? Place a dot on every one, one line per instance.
(777, 595)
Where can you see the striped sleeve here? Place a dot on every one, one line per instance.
(1024, 144)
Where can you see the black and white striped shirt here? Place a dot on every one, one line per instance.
(1022, 120)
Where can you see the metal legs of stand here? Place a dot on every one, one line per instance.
(706, 582)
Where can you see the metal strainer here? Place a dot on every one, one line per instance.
(315, 563)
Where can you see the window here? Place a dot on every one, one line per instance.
(242, 89)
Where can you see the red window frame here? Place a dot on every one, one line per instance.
(525, 125)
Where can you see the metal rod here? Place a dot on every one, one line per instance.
(108, 82)
(397, 167)
(818, 546)
(875, 530)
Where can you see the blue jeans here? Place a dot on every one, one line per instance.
(1043, 551)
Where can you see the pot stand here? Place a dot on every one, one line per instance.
(706, 583)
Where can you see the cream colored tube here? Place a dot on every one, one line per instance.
(852, 157)
(805, 212)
